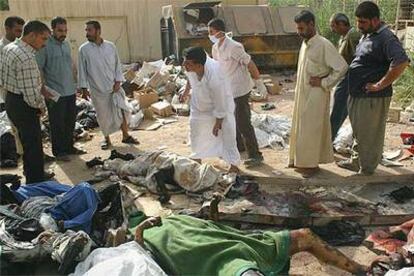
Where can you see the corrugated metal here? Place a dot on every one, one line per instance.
(141, 38)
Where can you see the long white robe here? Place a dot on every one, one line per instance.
(99, 68)
(210, 100)
(310, 141)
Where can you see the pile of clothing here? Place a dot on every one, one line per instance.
(271, 130)
(8, 153)
(162, 173)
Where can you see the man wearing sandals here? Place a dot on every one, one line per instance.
(100, 72)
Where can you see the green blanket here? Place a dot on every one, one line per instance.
(185, 245)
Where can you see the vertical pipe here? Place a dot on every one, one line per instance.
(397, 15)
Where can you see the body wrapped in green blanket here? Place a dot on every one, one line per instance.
(185, 245)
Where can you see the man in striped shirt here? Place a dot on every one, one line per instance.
(20, 77)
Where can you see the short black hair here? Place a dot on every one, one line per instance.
(368, 10)
(196, 54)
(35, 26)
(57, 20)
(95, 24)
(217, 24)
(341, 17)
(13, 20)
(305, 16)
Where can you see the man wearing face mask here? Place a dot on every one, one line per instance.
(238, 69)
(320, 67)
(379, 60)
(212, 123)
(55, 64)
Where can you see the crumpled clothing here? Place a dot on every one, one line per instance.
(125, 260)
(188, 174)
(5, 126)
(343, 140)
(271, 130)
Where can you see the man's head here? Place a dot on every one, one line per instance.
(339, 23)
(14, 27)
(216, 29)
(93, 31)
(36, 33)
(59, 28)
(368, 17)
(305, 24)
(194, 59)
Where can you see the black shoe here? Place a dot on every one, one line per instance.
(48, 158)
(126, 157)
(253, 162)
(77, 151)
(94, 162)
(49, 175)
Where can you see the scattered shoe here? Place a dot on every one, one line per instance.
(49, 175)
(130, 140)
(348, 165)
(105, 145)
(77, 151)
(62, 158)
(48, 158)
(253, 162)
(94, 162)
(115, 154)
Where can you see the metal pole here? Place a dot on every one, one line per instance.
(397, 15)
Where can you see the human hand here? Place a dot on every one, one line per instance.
(117, 86)
(373, 87)
(261, 88)
(84, 93)
(217, 126)
(46, 94)
(315, 82)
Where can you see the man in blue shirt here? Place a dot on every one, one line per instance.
(55, 63)
(379, 61)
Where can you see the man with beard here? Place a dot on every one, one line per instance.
(56, 66)
(100, 71)
(320, 67)
(379, 61)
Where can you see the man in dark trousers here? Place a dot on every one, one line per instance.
(379, 60)
(239, 70)
(20, 76)
(346, 46)
(55, 64)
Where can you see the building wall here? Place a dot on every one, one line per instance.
(134, 25)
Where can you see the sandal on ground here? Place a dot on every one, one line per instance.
(130, 140)
(105, 145)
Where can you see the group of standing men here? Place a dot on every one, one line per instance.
(37, 72)
(365, 68)
(361, 71)
(38, 66)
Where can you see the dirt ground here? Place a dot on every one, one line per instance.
(173, 137)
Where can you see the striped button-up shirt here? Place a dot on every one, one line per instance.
(19, 73)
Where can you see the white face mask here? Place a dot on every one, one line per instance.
(191, 74)
(213, 39)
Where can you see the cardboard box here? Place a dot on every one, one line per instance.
(273, 88)
(146, 97)
(163, 109)
(394, 114)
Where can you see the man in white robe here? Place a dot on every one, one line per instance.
(320, 67)
(212, 122)
(100, 72)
